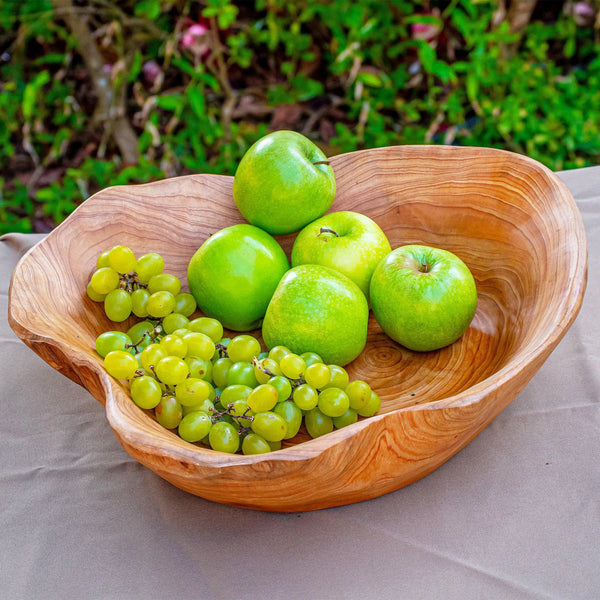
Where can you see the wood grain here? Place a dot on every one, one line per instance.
(509, 218)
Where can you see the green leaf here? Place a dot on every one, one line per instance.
(135, 67)
(370, 79)
(196, 99)
(172, 102)
(31, 92)
(149, 9)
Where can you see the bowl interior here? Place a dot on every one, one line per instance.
(508, 218)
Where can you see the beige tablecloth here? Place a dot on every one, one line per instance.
(516, 514)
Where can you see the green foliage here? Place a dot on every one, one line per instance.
(350, 74)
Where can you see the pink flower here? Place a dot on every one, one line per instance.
(583, 9)
(426, 31)
(195, 40)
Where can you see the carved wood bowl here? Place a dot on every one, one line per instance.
(510, 219)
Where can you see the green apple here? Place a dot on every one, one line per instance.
(422, 297)
(283, 182)
(346, 241)
(234, 273)
(317, 309)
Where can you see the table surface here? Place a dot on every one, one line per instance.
(515, 514)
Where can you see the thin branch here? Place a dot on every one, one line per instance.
(110, 110)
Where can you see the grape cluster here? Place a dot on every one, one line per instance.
(224, 392)
(127, 285)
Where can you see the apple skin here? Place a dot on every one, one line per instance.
(317, 309)
(346, 241)
(277, 185)
(234, 273)
(424, 298)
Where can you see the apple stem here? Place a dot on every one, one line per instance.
(424, 268)
(327, 230)
(321, 162)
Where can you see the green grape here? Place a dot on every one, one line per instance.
(140, 369)
(339, 377)
(171, 323)
(243, 348)
(93, 295)
(231, 393)
(317, 375)
(310, 358)
(359, 393)
(149, 265)
(160, 304)
(164, 282)
(241, 373)
(282, 385)
(317, 424)
(292, 366)
(207, 406)
(208, 326)
(371, 407)
(121, 259)
(192, 391)
(117, 305)
(168, 412)
(200, 345)
(194, 426)
(151, 354)
(145, 391)
(212, 395)
(275, 445)
(265, 368)
(104, 280)
(255, 444)
(270, 426)
(263, 398)
(141, 333)
(224, 437)
(185, 304)
(305, 397)
(219, 371)
(120, 364)
(171, 370)
(112, 340)
(200, 368)
(180, 332)
(278, 352)
(292, 415)
(348, 418)
(333, 402)
(174, 345)
(139, 300)
(102, 260)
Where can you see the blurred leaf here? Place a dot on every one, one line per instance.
(30, 93)
(150, 9)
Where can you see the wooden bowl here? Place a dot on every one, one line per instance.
(509, 218)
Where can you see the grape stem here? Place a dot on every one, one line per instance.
(130, 282)
(257, 363)
(217, 415)
(135, 346)
(222, 350)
